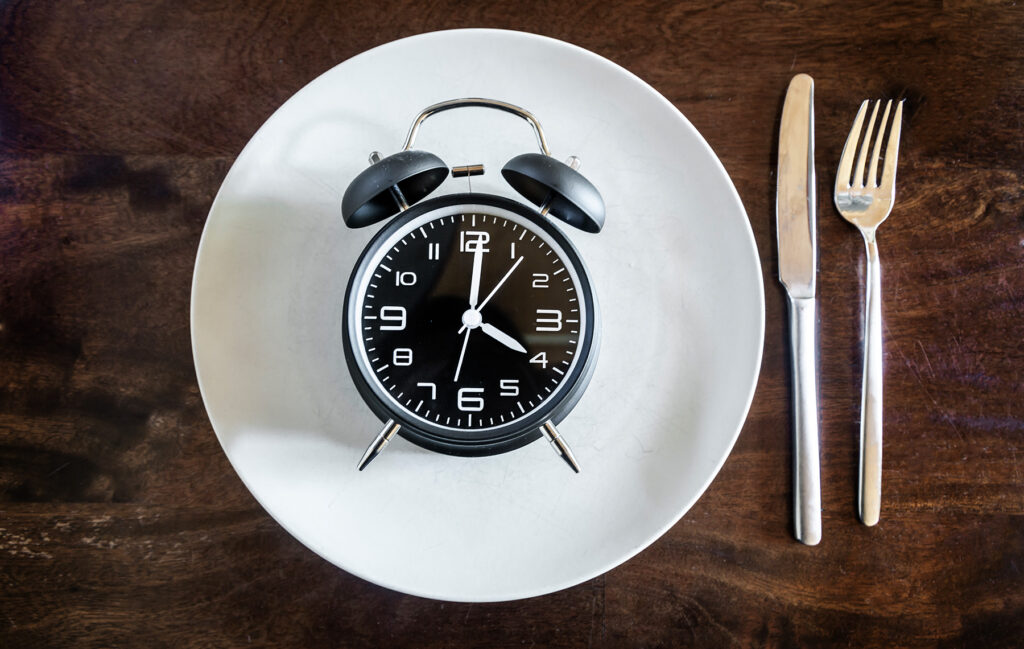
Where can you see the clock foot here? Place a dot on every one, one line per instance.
(551, 433)
(379, 443)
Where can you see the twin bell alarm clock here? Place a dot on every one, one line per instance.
(471, 326)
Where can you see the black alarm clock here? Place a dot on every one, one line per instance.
(471, 325)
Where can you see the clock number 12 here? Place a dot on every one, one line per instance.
(473, 241)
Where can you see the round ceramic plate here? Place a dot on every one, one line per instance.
(676, 272)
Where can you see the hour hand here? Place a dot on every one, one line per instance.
(502, 337)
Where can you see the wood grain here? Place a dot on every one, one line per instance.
(122, 523)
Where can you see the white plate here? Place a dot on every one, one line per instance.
(675, 269)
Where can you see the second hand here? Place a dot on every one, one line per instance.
(465, 341)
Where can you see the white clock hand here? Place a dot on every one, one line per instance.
(495, 289)
(502, 337)
(498, 285)
(458, 368)
(474, 285)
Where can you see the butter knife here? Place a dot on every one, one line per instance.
(795, 215)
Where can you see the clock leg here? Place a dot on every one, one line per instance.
(379, 443)
(551, 433)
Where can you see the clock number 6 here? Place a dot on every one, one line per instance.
(468, 403)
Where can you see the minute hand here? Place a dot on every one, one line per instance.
(474, 283)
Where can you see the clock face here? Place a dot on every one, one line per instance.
(470, 322)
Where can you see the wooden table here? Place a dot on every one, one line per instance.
(123, 525)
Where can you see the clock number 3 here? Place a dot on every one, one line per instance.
(549, 320)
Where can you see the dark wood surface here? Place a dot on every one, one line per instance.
(123, 525)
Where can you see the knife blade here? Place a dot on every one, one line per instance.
(796, 214)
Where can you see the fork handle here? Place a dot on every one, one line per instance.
(870, 499)
(806, 473)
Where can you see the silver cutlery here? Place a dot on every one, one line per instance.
(866, 201)
(795, 211)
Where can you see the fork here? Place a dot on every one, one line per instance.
(866, 202)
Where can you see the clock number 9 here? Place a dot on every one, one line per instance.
(468, 403)
(395, 315)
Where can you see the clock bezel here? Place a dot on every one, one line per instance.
(505, 437)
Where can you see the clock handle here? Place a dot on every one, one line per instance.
(480, 102)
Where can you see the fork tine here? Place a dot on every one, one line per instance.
(858, 175)
(892, 151)
(872, 180)
(846, 160)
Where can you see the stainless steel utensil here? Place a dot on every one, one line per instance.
(798, 261)
(865, 202)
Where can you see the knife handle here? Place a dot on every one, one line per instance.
(806, 473)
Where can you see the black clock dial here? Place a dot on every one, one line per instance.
(469, 322)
